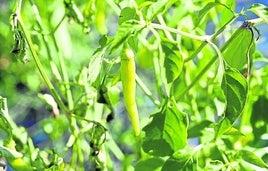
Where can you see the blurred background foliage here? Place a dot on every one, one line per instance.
(21, 83)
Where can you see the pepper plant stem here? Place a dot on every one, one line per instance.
(39, 65)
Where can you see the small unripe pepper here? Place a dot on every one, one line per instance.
(128, 71)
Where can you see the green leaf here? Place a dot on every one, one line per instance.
(167, 130)
(145, 57)
(250, 157)
(154, 164)
(203, 12)
(173, 64)
(5, 129)
(225, 128)
(260, 10)
(103, 41)
(154, 137)
(235, 50)
(225, 11)
(196, 130)
(235, 89)
(126, 14)
(95, 65)
(125, 30)
(178, 161)
(222, 127)
(156, 8)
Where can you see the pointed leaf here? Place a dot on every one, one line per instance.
(173, 64)
(235, 89)
(225, 12)
(153, 137)
(250, 157)
(260, 10)
(222, 127)
(156, 8)
(203, 12)
(235, 50)
(225, 128)
(175, 128)
(167, 132)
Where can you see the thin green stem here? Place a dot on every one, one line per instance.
(176, 31)
(45, 39)
(58, 25)
(61, 60)
(147, 91)
(65, 76)
(157, 67)
(162, 22)
(199, 75)
(219, 54)
(211, 38)
(40, 66)
(114, 148)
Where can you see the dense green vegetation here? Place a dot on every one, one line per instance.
(69, 85)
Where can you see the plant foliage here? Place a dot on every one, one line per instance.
(201, 85)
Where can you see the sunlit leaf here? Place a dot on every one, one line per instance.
(203, 12)
(260, 10)
(167, 130)
(156, 8)
(235, 89)
(239, 46)
(95, 65)
(226, 8)
(222, 127)
(173, 64)
(252, 158)
(127, 13)
(145, 57)
(225, 128)
(125, 30)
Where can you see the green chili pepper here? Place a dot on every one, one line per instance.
(128, 72)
